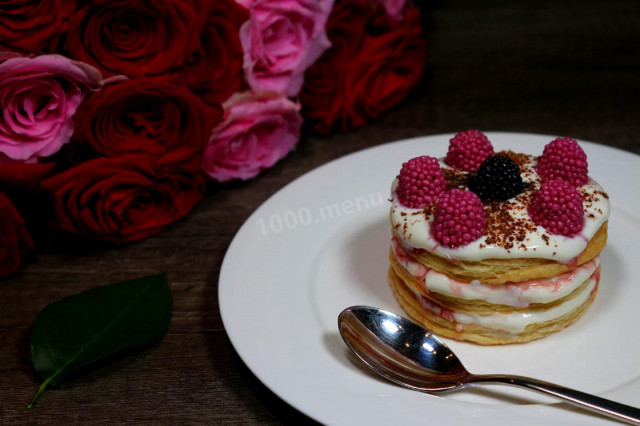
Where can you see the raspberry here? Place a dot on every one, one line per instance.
(421, 182)
(498, 179)
(458, 218)
(467, 150)
(557, 206)
(564, 159)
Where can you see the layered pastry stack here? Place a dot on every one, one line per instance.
(497, 248)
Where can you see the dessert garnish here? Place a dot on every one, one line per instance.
(498, 179)
(421, 182)
(468, 150)
(564, 159)
(458, 218)
(557, 206)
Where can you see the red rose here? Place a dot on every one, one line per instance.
(24, 177)
(215, 70)
(121, 199)
(14, 238)
(153, 115)
(373, 63)
(28, 25)
(134, 37)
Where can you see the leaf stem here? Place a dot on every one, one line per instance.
(39, 392)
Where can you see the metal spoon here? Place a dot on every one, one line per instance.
(411, 356)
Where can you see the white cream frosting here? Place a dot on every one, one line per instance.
(512, 323)
(412, 226)
(519, 295)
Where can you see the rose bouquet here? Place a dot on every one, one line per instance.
(115, 114)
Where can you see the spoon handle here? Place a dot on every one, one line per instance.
(581, 399)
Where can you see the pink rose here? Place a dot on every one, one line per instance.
(394, 8)
(245, 3)
(259, 130)
(39, 97)
(325, 4)
(281, 39)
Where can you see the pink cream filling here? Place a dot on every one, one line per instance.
(511, 323)
(517, 295)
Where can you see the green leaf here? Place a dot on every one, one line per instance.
(90, 325)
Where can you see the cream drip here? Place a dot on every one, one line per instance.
(512, 323)
(519, 295)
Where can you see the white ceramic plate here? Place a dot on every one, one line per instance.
(320, 245)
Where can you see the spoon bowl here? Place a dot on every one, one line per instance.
(412, 356)
(401, 350)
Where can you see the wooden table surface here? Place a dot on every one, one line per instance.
(559, 68)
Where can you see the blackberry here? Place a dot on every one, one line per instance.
(498, 179)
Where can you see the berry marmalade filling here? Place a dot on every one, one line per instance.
(517, 295)
(525, 215)
(508, 324)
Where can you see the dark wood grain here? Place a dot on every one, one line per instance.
(559, 68)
